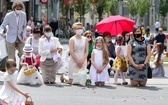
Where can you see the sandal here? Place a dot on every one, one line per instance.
(125, 83)
(117, 83)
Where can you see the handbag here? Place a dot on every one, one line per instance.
(29, 102)
(29, 71)
(120, 65)
(149, 72)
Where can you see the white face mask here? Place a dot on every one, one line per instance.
(99, 48)
(79, 31)
(18, 11)
(49, 34)
(11, 72)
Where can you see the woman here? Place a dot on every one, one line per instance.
(88, 34)
(111, 48)
(138, 53)
(48, 48)
(78, 48)
(34, 42)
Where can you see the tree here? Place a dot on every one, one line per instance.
(82, 7)
(101, 7)
(163, 10)
(138, 8)
(114, 7)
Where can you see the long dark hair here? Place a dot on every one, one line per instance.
(160, 48)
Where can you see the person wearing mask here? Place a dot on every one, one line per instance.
(138, 54)
(16, 34)
(34, 42)
(110, 47)
(78, 48)
(88, 34)
(48, 48)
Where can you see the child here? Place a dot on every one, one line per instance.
(158, 61)
(118, 59)
(9, 92)
(28, 59)
(99, 67)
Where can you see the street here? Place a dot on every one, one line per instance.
(155, 93)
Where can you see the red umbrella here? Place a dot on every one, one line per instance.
(115, 25)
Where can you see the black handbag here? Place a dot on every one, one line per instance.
(149, 72)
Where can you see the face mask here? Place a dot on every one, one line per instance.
(99, 48)
(18, 11)
(11, 72)
(79, 31)
(48, 34)
(107, 41)
(28, 33)
(137, 35)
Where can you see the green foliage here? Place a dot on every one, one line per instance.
(132, 5)
(82, 7)
(163, 7)
(138, 7)
(114, 7)
(101, 7)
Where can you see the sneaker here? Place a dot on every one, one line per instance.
(125, 83)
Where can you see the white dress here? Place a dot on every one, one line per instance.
(99, 77)
(7, 93)
(32, 79)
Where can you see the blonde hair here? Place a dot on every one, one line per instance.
(17, 3)
(104, 49)
(76, 24)
(28, 28)
(87, 32)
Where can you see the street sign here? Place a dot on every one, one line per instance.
(3, 50)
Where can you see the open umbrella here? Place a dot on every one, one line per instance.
(115, 25)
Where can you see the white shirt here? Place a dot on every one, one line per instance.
(121, 51)
(50, 45)
(157, 25)
(17, 19)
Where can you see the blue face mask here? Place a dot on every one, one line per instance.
(49, 34)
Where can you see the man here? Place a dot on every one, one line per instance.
(157, 25)
(160, 37)
(147, 30)
(54, 25)
(16, 34)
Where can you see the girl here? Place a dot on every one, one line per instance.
(119, 57)
(99, 68)
(158, 62)
(9, 92)
(28, 59)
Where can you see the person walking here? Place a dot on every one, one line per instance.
(100, 63)
(138, 53)
(118, 60)
(10, 94)
(78, 48)
(31, 23)
(49, 47)
(16, 34)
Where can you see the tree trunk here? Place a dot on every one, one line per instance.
(100, 17)
(138, 21)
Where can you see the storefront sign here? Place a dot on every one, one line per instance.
(44, 1)
(21, 0)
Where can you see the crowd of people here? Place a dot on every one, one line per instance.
(97, 57)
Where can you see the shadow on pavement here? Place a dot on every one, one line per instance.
(151, 88)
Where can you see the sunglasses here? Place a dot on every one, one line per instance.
(89, 36)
